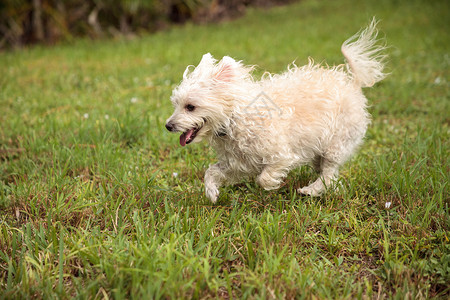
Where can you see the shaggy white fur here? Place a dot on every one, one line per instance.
(263, 129)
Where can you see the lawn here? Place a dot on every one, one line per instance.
(98, 200)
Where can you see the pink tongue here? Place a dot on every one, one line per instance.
(185, 136)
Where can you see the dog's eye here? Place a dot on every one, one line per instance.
(190, 107)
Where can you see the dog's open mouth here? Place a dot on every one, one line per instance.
(188, 136)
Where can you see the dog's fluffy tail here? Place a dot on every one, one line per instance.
(365, 61)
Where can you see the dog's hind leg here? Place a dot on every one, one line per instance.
(331, 160)
(329, 173)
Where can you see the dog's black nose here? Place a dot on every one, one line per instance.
(169, 126)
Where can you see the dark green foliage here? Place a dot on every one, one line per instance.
(31, 21)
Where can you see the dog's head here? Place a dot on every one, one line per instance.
(204, 100)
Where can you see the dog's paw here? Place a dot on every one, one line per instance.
(312, 190)
(212, 193)
(317, 188)
(267, 182)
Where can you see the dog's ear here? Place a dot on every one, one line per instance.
(207, 59)
(225, 69)
(187, 71)
(204, 66)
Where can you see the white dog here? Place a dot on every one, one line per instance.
(263, 129)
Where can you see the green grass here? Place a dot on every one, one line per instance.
(90, 206)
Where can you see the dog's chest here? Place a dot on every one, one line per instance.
(238, 154)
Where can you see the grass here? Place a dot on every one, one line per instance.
(98, 200)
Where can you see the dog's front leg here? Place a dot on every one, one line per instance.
(214, 177)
